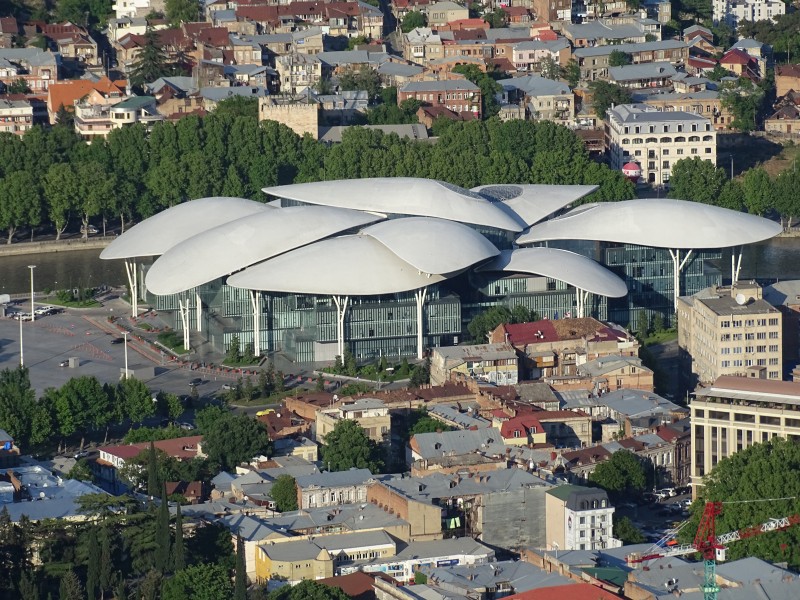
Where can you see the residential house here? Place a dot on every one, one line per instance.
(194, 492)
(657, 140)
(787, 78)
(785, 296)
(528, 56)
(460, 442)
(67, 94)
(494, 363)
(704, 102)
(741, 64)
(543, 99)
(332, 488)
(553, 10)
(499, 579)
(9, 31)
(593, 62)
(596, 9)
(254, 531)
(117, 28)
(560, 346)
(94, 121)
(523, 430)
(456, 95)
(370, 414)
(647, 75)
(563, 428)
(730, 331)
(342, 518)
(761, 52)
(458, 416)
(731, 12)
(605, 374)
(422, 45)
(73, 42)
(624, 30)
(659, 10)
(443, 12)
(39, 69)
(579, 518)
(19, 113)
(136, 8)
(310, 557)
(734, 413)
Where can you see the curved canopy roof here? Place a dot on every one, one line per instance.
(532, 203)
(433, 246)
(357, 265)
(660, 223)
(563, 265)
(237, 244)
(402, 195)
(162, 231)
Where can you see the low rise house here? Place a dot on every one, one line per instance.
(371, 415)
(523, 430)
(741, 64)
(73, 42)
(460, 442)
(19, 113)
(93, 121)
(457, 95)
(544, 99)
(66, 94)
(704, 102)
(254, 531)
(646, 75)
(9, 31)
(620, 30)
(39, 69)
(606, 373)
(457, 417)
(593, 62)
(528, 56)
(563, 428)
(787, 78)
(503, 578)
(494, 363)
(332, 488)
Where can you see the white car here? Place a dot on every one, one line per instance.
(44, 310)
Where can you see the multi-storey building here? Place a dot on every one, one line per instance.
(371, 415)
(458, 95)
(98, 120)
(736, 412)
(593, 62)
(657, 140)
(731, 12)
(730, 331)
(579, 518)
(19, 114)
(496, 363)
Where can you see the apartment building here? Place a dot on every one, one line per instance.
(19, 113)
(495, 363)
(593, 62)
(457, 95)
(736, 412)
(731, 12)
(730, 331)
(579, 518)
(657, 140)
(370, 414)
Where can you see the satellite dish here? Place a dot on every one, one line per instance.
(740, 299)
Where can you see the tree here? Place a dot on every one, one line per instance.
(413, 20)
(153, 481)
(19, 86)
(618, 58)
(134, 399)
(572, 73)
(308, 590)
(348, 446)
(17, 402)
(237, 106)
(483, 323)
(623, 474)
(284, 493)
(151, 62)
(605, 94)
(758, 191)
(93, 570)
(549, 68)
(496, 19)
(234, 439)
(198, 582)
(365, 78)
(70, 587)
(718, 72)
(240, 587)
(626, 531)
(759, 472)
(642, 324)
(485, 81)
(696, 179)
(744, 100)
(163, 534)
(423, 423)
(178, 558)
(22, 202)
(233, 355)
(182, 11)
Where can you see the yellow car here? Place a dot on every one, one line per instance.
(267, 411)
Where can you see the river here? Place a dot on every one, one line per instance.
(778, 258)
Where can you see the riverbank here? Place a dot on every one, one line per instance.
(22, 248)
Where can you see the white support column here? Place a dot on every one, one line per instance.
(141, 285)
(130, 271)
(199, 305)
(580, 304)
(420, 295)
(677, 267)
(255, 300)
(183, 306)
(341, 308)
(738, 269)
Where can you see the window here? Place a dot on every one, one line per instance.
(708, 150)
(761, 348)
(773, 347)
(725, 351)
(773, 335)
(773, 322)
(666, 151)
(694, 150)
(737, 323)
(725, 337)
(665, 164)
(737, 337)
(679, 151)
(749, 336)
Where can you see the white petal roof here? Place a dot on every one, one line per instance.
(433, 246)
(571, 268)
(660, 223)
(237, 244)
(162, 231)
(532, 203)
(357, 265)
(402, 195)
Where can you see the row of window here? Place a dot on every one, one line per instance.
(665, 128)
(665, 140)
(749, 349)
(759, 335)
(749, 323)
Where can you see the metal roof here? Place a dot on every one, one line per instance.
(532, 203)
(238, 244)
(357, 265)
(164, 230)
(566, 266)
(401, 195)
(659, 223)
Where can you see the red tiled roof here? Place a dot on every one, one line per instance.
(9, 25)
(523, 424)
(735, 56)
(180, 448)
(787, 70)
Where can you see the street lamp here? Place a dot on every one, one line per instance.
(21, 359)
(32, 267)
(125, 334)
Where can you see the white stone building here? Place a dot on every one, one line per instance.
(732, 12)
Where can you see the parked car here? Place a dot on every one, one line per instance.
(91, 229)
(63, 363)
(44, 310)
(226, 386)
(187, 426)
(117, 340)
(195, 381)
(81, 454)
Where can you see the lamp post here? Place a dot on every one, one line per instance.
(125, 335)
(33, 317)
(21, 359)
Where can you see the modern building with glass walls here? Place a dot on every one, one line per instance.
(388, 267)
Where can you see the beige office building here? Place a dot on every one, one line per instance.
(730, 331)
(736, 412)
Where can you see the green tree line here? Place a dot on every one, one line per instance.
(50, 177)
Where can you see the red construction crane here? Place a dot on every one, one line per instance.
(712, 547)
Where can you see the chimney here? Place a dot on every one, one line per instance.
(553, 455)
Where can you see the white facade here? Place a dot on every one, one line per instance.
(732, 12)
(656, 140)
(136, 8)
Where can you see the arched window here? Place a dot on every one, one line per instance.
(680, 138)
(694, 138)
(626, 141)
(651, 140)
(707, 138)
(637, 140)
(666, 140)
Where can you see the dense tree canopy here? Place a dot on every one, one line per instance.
(413, 20)
(760, 472)
(696, 179)
(618, 58)
(605, 94)
(480, 326)
(233, 439)
(308, 590)
(284, 493)
(348, 446)
(622, 474)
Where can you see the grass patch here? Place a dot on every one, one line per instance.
(74, 303)
(171, 340)
(661, 337)
(145, 326)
